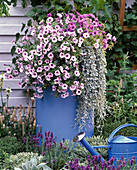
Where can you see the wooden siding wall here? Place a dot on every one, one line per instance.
(9, 26)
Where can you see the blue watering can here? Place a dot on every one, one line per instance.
(117, 146)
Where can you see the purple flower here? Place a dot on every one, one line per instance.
(124, 163)
(47, 68)
(51, 65)
(34, 75)
(48, 133)
(53, 88)
(56, 81)
(25, 140)
(50, 74)
(61, 55)
(54, 160)
(49, 15)
(47, 61)
(40, 62)
(39, 69)
(50, 55)
(15, 72)
(10, 77)
(61, 145)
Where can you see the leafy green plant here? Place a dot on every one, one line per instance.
(26, 161)
(131, 15)
(3, 156)
(33, 164)
(4, 6)
(126, 41)
(55, 154)
(109, 127)
(11, 145)
(121, 94)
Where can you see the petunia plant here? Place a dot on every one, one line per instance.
(51, 55)
(67, 53)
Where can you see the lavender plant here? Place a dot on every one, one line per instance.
(56, 154)
(92, 163)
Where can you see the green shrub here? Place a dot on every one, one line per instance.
(122, 94)
(3, 156)
(109, 127)
(11, 145)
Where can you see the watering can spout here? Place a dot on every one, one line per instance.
(80, 138)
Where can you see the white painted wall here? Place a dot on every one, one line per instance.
(9, 26)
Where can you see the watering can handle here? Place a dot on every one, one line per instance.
(119, 128)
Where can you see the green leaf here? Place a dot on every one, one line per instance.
(24, 4)
(29, 23)
(26, 31)
(23, 26)
(59, 8)
(30, 13)
(14, 60)
(13, 49)
(134, 43)
(17, 36)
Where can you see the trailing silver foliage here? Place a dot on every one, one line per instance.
(92, 102)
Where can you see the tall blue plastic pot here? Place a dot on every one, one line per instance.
(57, 115)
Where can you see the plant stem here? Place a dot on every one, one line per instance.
(1, 100)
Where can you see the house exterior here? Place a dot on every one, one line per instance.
(9, 26)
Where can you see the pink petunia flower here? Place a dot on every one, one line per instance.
(8, 70)
(39, 69)
(86, 35)
(10, 77)
(61, 55)
(40, 62)
(47, 78)
(53, 88)
(34, 75)
(50, 74)
(79, 30)
(77, 73)
(54, 39)
(15, 72)
(108, 36)
(78, 92)
(96, 45)
(114, 38)
(72, 88)
(67, 56)
(64, 86)
(51, 65)
(57, 73)
(46, 68)
(50, 55)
